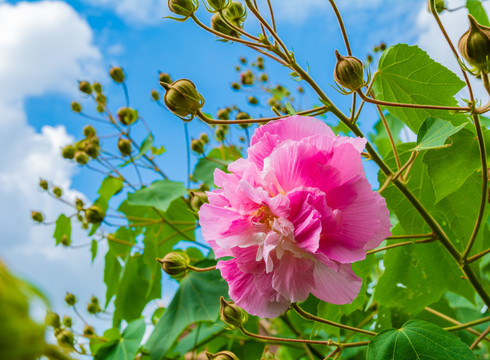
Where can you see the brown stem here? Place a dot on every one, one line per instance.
(400, 244)
(480, 338)
(477, 256)
(272, 15)
(390, 136)
(451, 320)
(468, 324)
(414, 236)
(342, 27)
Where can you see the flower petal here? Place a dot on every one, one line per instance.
(335, 287)
(293, 277)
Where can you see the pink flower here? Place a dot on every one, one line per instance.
(293, 216)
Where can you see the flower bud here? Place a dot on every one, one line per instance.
(88, 330)
(198, 199)
(68, 152)
(235, 86)
(97, 87)
(124, 146)
(94, 214)
(52, 319)
(222, 355)
(349, 72)
(223, 114)
(204, 138)
(242, 116)
(70, 299)
(92, 149)
(65, 240)
(252, 100)
(79, 204)
(264, 78)
(219, 25)
(43, 184)
(155, 95)
(382, 46)
(76, 107)
(67, 322)
(182, 98)
(185, 8)
(220, 133)
(164, 78)
(175, 263)
(127, 116)
(101, 100)
(57, 191)
(81, 157)
(99, 109)
(217, 5)
(89, 131)
(84, 86)
(440, 6)
(247, 78)
(474, 45)
(231, 315)
(93, 306)
(117, 74)
(65, 338)
(243, 60)
(197, 146)
(235, 13)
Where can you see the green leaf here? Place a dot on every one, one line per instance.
(157, 151)
(110, 186)
(476, 9)
(63, 228)
(290, 109)
(159, 194)
(93, 249)
(112, 275)
(418, 340)
(126, 347)
(434, 132)
(218, 158)
(196, 300)
(406, 74)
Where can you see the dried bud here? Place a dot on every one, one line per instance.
(97, 87)
(155, 95)
(79, 204)
(57, 191)
(217, 5)
(94, 214)
(204, 138)
(81, 157)
(84, 86)
(165, 78)
(68, 152)
(117, 74)
(197, 200)
(474, 45)
(67, 322)
(247, 78)
(127, 116)
(70, 299)
(235, 86)
(124, 146)
(236, 13)
(76, 107)
(197, 146)
(89, 131)
(222, 355)
(231, 315)
(65, 338)
(175, 263)
(52, 319)
(219, 25)
(252, 100)
(185, 8)
(88, 330)
(349, 72)
(182, 98)
(43, 184)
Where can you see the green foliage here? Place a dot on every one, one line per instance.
(433, 134)
(476, 9)
(120, 346)
(159, 194)
(216, 159)
(63, 229)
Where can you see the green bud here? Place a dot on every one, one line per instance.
(235, 86)
(92, 149)
(94, 214)
(101, 100)
(84, 86)
(94, 300)
(236, 13)
(301, 90)
(52, 319)
(43, 184)
(197, 199)
(70, 299)
(65, 338)
(67, 322)
(349, 72)
(220, 132)
(222, 355)
(127, 116)
(175, 264)
(223, 114)
(185, 8)
(97, 87)
(68, 152)
(99, 108)
(231, 315)
(382, 46)
(197, 146)
(89, 131)
(57, 191)
(155, 95)
(369, 58)
(65, 240)
(88, 330)
(243, 60)
(79, 204)
(93, 306)
(474, 45)
(247, 78)
(81, 157)
(182, 98)
(124, 146)
(165, 78)
(252, 100)
(440, 6)
(219, 25)
(80, 217)
(217, 5)
(264, 78)
(204, 138)
(117, 74)
(242, 116)
(76, 107)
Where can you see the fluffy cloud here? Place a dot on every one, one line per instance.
(46, 46)
(146, 12)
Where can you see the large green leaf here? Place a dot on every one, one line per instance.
(112, 275)
(63, 229)
(196, 300)
(418, 339)
(434, 132)
(125, 347)
(218, 158)
(476, 9)
(159, 194)
(406, 74)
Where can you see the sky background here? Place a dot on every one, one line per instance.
(46, 47)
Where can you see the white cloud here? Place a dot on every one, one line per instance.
(147, 12)
(45, 47)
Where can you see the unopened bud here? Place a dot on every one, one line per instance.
(197, 200)
(235, 86)
(217, 5)
(93, 307)
(264, 78)
(76, 107)
(242, 116)
(474, 45)
(252, 100)
(124, 146)
(235, 13)
(65, 338)
(164, 78)
(81, 157)
(175, 263)
(68, 152)
(43, 184)
(70, 299)
(223, 114)
(243, 60)
(117, 74)
(92, 149)
(97, 87)
(79, 204)
(247, 78)
(57, 191)
(222, 355)
(101, 100)
(155, 95)
(127, 116)
(67, 322)
(65, 240)
(231, 315)
(185, 8)
(52, 319)
(197, 146)
(204, 138)
(94, 214)
(183, 99)
(88, 330)
(84, 86)
(220, 133)
(349, 72)
(382, 46)
(219, 25)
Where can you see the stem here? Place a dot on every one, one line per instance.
(414, 106)
(53, 352)
(400, 244)
(451, 320)
(390, 136)
(308, 348)
(196, 269)
(272, 15)
(188, 152)
(480, 338)
(126, 94)
(309, 316)
(405, 166)
(468, 324)
(342, 27)
(477, 256)
(415, 236)
(236, 28)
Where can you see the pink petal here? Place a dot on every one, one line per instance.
(293, 278)
(335, 287)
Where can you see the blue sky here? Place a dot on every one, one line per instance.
(47, 46)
